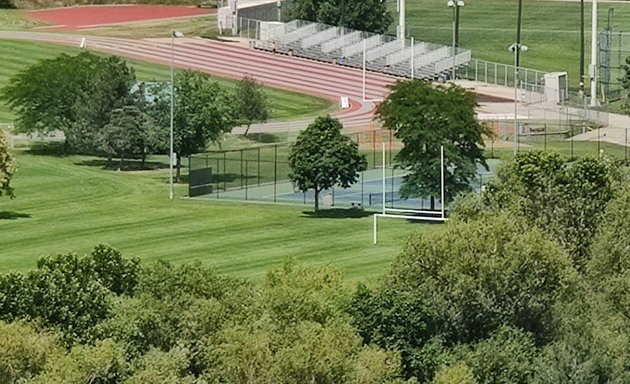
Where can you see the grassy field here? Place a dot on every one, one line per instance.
(12, 19)
(18, 55)
(550, 29)
(198, 26)
(70, 204)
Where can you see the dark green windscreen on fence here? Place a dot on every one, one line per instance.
(200, 181)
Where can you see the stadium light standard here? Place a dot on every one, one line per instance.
(516, 48)
(593, 67)
(174, 34)
(456, 5)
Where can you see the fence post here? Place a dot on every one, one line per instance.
(258, 171)
(246, 184)
(275, 170)
(374, 148)
(241, 175)
(362, 189)
(217, 183)
(486, 71)
(505, 72)
(391, 151)
(625, 147)
(476, 70)
(224, 171)
(571, 146)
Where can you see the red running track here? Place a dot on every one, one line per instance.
(91, 16)
(234, 61)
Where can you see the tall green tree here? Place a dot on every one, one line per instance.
(24, 351)
(426, 117)
(202, 113)
(565, 199)
(68, 293)
(323, 157)
(251, 100)
(362, 15)
(461, 286)
(126, 133)
(43, 96)
(7, 166)
(72, 94)
(108, 89)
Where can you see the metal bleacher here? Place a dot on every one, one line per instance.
(348, 47)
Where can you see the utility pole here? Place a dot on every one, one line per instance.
(518, 32)
(581, 47)
(593, 67)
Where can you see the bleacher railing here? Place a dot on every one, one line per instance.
(320, 37)
(341, 41)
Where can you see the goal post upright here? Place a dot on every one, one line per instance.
(442, 179)
(383, 162)
(411, 214)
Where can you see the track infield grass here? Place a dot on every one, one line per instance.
(550, 29)
(19, 55)
(71, 204)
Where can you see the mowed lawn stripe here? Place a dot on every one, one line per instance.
(72, 207)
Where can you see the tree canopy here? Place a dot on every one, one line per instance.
(7, 166)
(625, 84)
(564, 198)
(126, 133)
(362, 15)
(251, 100)
(426, 117)
(202, 113)
(323, 157)
(71, 94)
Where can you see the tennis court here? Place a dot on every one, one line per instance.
(261, 173)
(366, 193)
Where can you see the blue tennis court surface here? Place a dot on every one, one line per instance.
(366, 193)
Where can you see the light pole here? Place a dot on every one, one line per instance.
(174, 34)
(593, 67)
(456, 5)
(516, 48)
(401, 22)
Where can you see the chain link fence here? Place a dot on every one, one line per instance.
(614, 48)
(262, 174)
